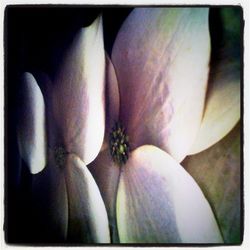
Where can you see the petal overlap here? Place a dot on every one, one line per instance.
(161, 58)
(88, 220)
(222, 108)
(78, 95)
(217, 171)
(112, 100)
(158, 201)
(112, 96)
(169, 104)
(222, 111)
(106, 174)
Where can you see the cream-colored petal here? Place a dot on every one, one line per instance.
(31, 124)
(106, 174)
(158, 201)
(78, 96)
(49, 205)
(217, 170)
(222, 109)
(161, 58)
(88, 220)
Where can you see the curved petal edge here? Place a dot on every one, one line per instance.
(78, 100)
(158, 201)
(161, 57)
(88, 220)
(31, 128)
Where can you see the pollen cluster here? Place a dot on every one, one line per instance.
(118, 143)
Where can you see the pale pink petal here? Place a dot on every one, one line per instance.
(112, 100)
(78, 96)
(217, 170)
(158, 201)
(112, 95)
(88, 220)
(106, 174)
(161, 58)
(31, 129)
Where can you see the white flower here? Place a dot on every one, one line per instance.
(63, 130)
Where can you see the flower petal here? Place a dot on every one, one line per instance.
(31, 125)
(88, 220)
(112, 95)
(158, 201)
(47, 91)
(161, 58)
(79, 94)
(112, 99)
(222, 109)
(106, 174)
(49, 205)
(218, 172)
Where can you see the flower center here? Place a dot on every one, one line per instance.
(60, 156)
(118, 143)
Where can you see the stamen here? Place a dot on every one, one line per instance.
(119, 144)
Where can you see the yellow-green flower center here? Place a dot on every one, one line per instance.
(118, 144)
(60, 156)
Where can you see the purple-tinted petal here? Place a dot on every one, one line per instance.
(112, 101)
(106, 174)
(31, 125)
(158, 201)
(112, 95)
(78, 96)
(88, 220)
(218, 172)
(161, 58)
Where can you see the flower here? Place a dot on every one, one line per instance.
(63, 130)
(221, 162)
(156, 85)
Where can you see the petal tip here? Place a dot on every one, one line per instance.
(31, 134)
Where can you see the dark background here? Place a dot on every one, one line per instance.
(35, 38)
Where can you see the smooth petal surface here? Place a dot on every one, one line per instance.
(217, 170)
(31, 124)
(112, 100)
(161, 58)
(222, 109)
(112, 95)
(106, 174)
(88, 220)
(50, 205)
(47, 91)
(158, 201)
(78, 99)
